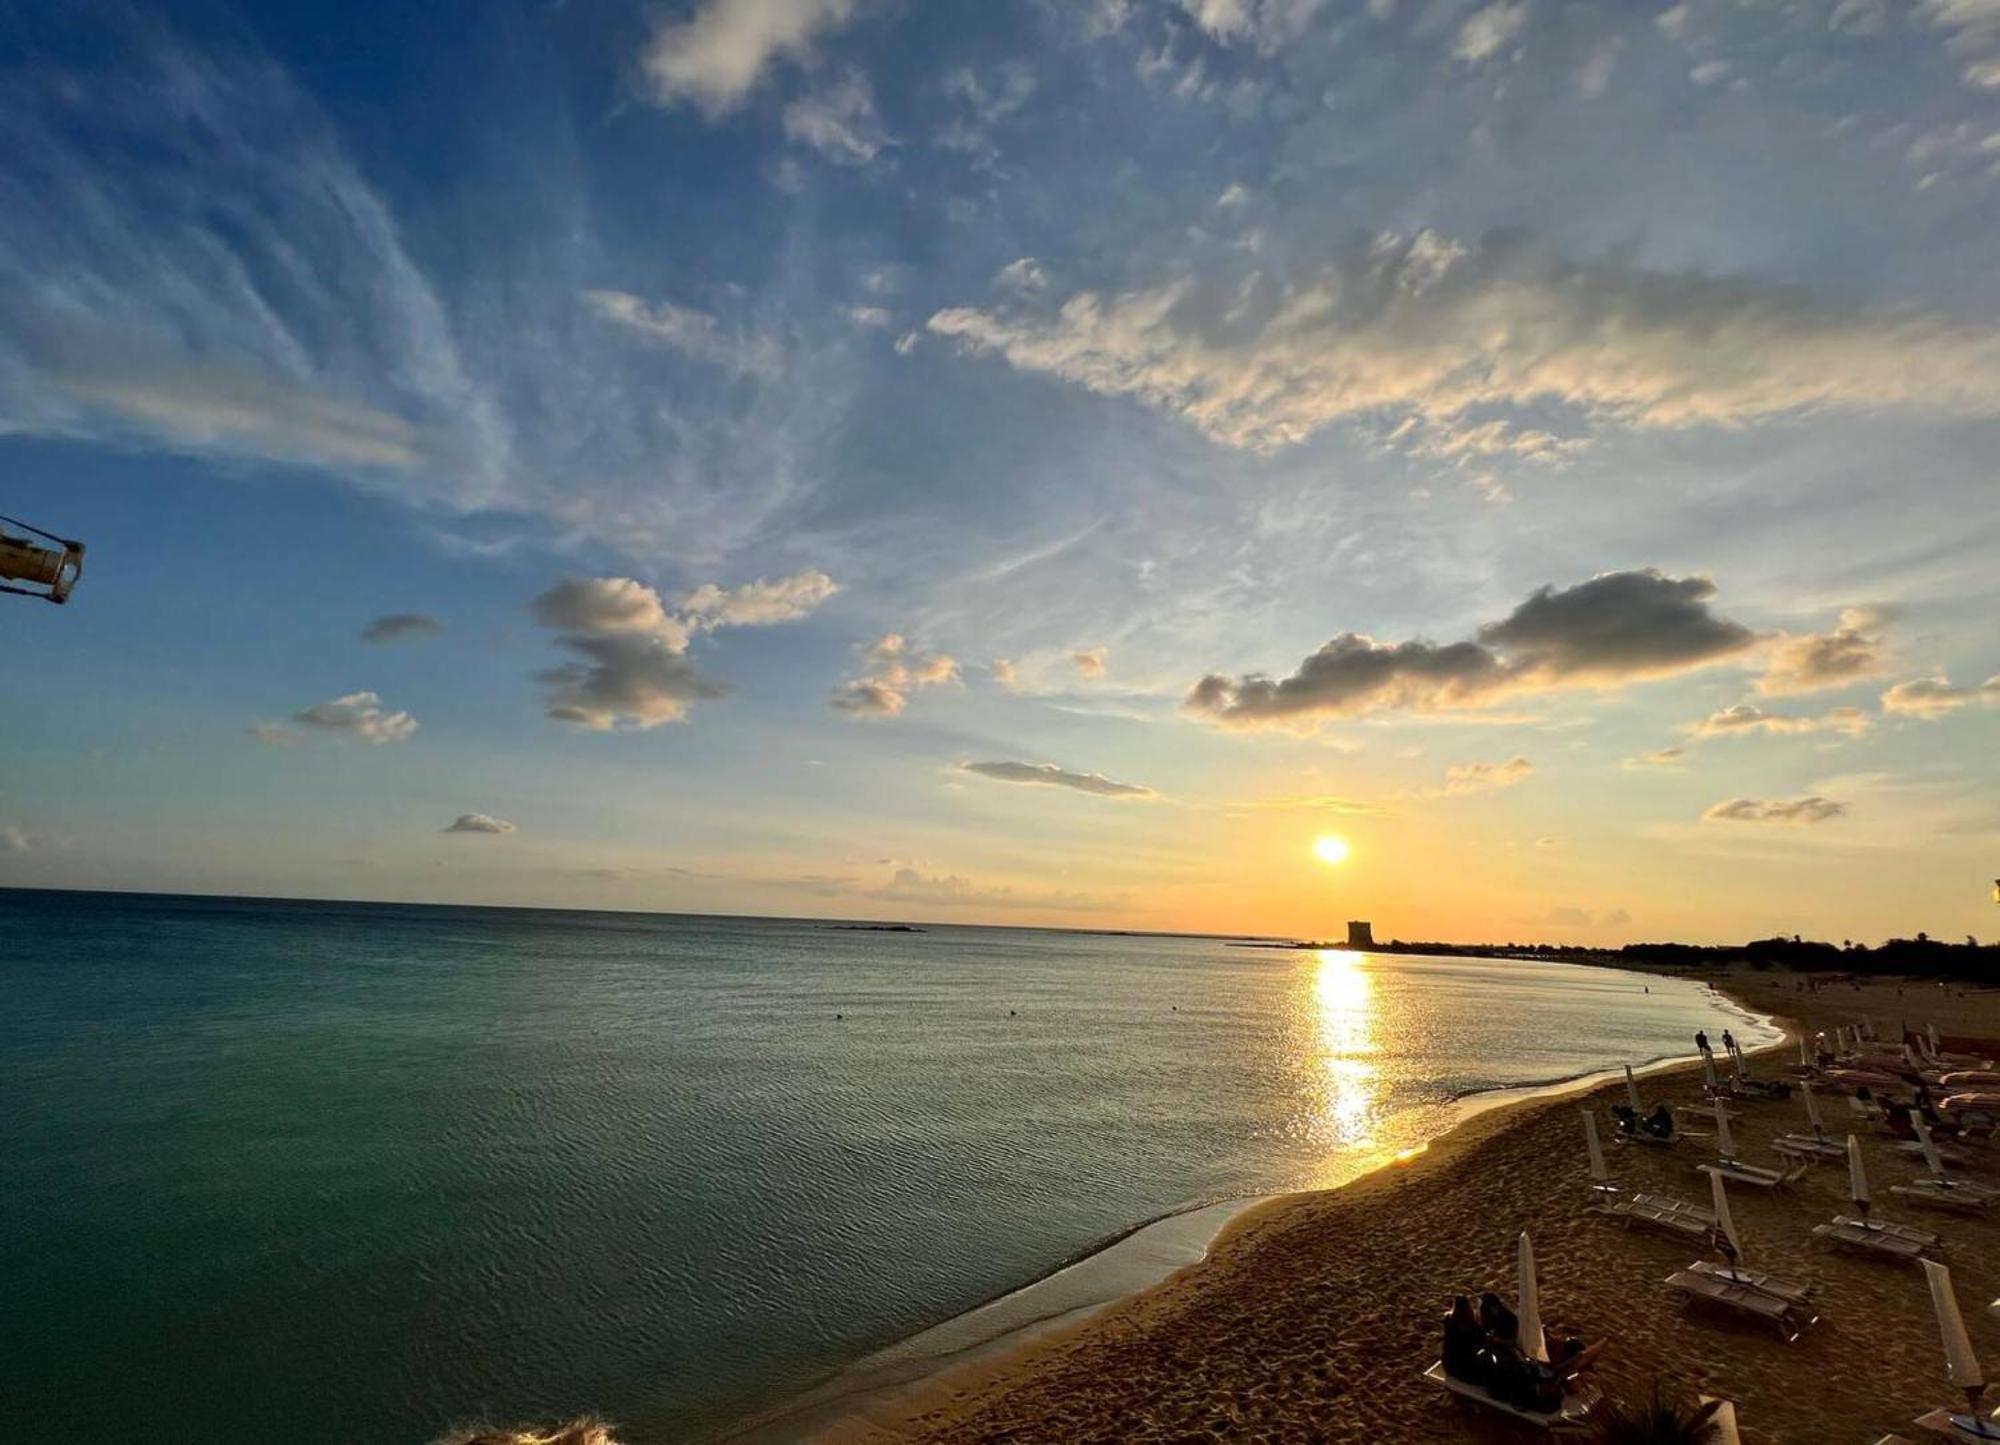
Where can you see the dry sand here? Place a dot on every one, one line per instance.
(1313, 1316)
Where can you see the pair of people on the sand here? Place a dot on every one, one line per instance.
(1482, 1348)
(1659, 1124)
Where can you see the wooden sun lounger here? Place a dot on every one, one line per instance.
(1577, 1404)
(1948, 1194)
(1806, 1147)
(1898, 1241)
(1756, 1175)
(1784, 1289)
(1789, 1317)
(1945, 1423)
(1661, 1213)
(1642, 1137)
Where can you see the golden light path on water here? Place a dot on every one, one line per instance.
(1345, 1022)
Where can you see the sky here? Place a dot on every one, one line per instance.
(1043, 462)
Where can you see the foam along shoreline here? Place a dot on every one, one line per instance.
(1129, 1265)
(875, 1391)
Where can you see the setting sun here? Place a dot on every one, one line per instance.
(1330, 849)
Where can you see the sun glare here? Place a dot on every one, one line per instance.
(1330, 849)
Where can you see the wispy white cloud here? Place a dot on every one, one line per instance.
(715, 57)
(1463, 778)
(839, 122)
(1745, 718)
(479, 823)
(1932, 697)
(1090, 662)
(693, 333)
(1489, 29)
(1430, 330)
(402, 627)
(950, 890)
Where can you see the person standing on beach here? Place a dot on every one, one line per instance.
(1701, 1041)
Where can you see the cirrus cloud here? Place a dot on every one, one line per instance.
(1428, 330)
(715, 58)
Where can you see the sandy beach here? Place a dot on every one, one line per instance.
(1312, 1316)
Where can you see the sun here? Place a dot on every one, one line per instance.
(1331, 849)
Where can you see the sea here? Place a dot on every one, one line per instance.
(328, 1173)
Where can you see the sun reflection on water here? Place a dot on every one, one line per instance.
(1344, 1037)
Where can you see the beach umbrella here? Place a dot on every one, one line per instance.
(1708, 1071)
(1812, 1110)
(1931, 1155)
(1857, 1176)
(1528, 1315)
(1725, 1222)
(1958, 1355)
(1805, 1053)
(1725, 1142)
(1910, 1057)
(1597, 1170)
(1722, 1424)
(1632, 1092)
(1931, 1032)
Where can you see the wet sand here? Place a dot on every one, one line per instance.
(1313, 1315)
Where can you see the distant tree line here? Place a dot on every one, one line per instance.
(1922, 956)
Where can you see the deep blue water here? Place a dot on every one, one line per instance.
(321, 1172)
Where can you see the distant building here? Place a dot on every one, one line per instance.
(1360, 933)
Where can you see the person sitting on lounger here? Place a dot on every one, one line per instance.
(1660, 1123)
(1465, 1356)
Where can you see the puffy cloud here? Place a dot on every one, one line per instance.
(479, 823)
(896, 670)
(1658, 758)
(1797, 811)
(358, 715)
(759, 603)
(626, 679)
(1429, 330)
(402, 627)
(1974, 29)
(605, 605)
(715, 58)
(1746, 718)
(1003, 671)
(1050, 776)
(1617, 627)
(1853, 650)
(1024, 276)
(1090, 661)
(1486, 31)
(1266, 24)
(634, 671)
(838, 122)
(695, 334)
(1485, 777)
(1932, 697)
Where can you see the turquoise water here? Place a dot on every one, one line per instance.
(347, 1173)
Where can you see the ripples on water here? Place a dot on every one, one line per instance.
(339, 1173)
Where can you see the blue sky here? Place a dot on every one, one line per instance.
(1214, 412)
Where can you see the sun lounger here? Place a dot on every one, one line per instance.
(1806, 1147)
(1789, 1316)
(1658, 1212)
(1784, 1289)
(1958, 1426)
(1948, 1194)
(1758, 1177)
(1577, 1405)
(1896, 1241)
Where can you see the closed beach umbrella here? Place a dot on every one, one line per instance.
(1930, 1031)
(1964, 1364)
(1931, 1156)
(1725, 1142)
(1632, 1091)
(1597, 1169)
(1805, 1053)
(1708, 1070)
(1722, 1424)
(1529, 1314)
(1857, 1174)
(1910, 1057)
(1725, 1222)
(1812, 1109)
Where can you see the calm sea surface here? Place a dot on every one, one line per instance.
(343, 1173)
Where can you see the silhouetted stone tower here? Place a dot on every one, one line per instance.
(1360, 933)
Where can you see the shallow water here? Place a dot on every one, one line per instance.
(344, 1172)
